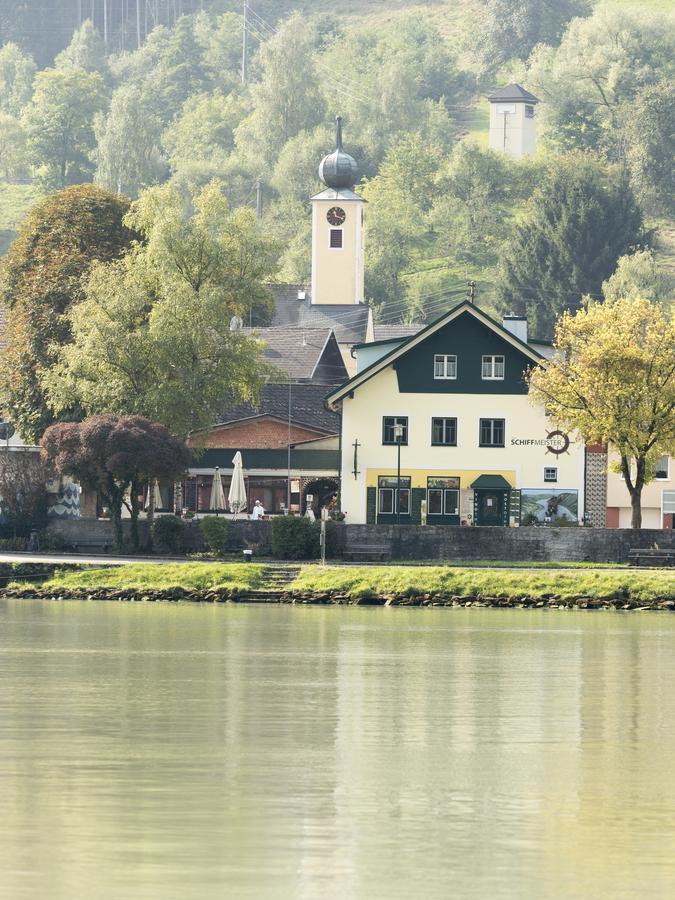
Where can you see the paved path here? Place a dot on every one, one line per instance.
(83, 559)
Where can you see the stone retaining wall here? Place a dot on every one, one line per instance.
(425, 542)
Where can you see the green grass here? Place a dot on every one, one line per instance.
(360, 582)
(151, 576)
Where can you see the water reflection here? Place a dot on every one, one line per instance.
(199, 752)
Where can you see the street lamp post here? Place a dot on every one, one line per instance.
(398, 437)
(217, 475)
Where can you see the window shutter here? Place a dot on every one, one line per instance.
(371, 506)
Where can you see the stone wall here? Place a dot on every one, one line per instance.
(424, 542)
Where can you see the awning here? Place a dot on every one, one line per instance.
(491, 483)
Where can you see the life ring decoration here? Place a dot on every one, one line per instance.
(557, 442)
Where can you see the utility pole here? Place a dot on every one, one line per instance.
(258, 200)
(244, 48)
(138, 24)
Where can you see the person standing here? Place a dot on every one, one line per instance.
(258, 511)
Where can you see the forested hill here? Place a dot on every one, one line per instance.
(132, 94)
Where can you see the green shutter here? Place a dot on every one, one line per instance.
(418, 494)
(371, 506)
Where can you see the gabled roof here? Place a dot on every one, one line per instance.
(349, 322)
(302, 353)
(391, 332)
(512, 93)
(307, 407)
(409, 343)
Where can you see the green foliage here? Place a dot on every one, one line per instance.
(190, 576)
(510, 29)
(128, 154)
(41, 279)
(215, 531)
(85, 51)
(168, 533)
(649, 127)
(12, 148)
(17, 71)
(294, 538)
(578, 223)
(153, 335)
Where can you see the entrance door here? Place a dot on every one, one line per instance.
(490, 508)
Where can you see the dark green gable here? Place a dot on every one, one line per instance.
(468, 339)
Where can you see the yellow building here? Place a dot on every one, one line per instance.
(451, 403)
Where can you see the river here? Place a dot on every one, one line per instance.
(190, 752)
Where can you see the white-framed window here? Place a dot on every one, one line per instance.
(444, 432)
(335, 239)
(529, 111)
(388, 433)
(445, 366)
(491, 432)
(493, 368)
(442, 496)
(662, 472)
(550, 473)
(668, 502)
(386, 494)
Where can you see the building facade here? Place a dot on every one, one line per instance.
(658, 497)
(451, 402)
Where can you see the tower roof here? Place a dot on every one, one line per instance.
(512, 93)
(339, 170)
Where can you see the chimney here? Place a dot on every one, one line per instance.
(517, 326)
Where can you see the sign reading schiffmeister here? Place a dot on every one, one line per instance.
(555, 442)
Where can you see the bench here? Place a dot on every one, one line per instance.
(103, 546)
(367, 551)
(651, 557)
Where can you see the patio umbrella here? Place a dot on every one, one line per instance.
(157, 496)
(217, 499)
(237, 497)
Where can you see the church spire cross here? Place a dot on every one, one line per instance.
(338, 132)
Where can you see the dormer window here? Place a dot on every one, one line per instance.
(445, 366)
(493, 368)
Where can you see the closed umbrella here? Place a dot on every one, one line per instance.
(237, 497)
(217, 500)
(157, 495)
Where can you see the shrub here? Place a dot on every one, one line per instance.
(215, 532)
(167, 533)
(12, 543)
(293, 538)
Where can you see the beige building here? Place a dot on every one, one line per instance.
(513, 128)
(658, 497)
(451, 403)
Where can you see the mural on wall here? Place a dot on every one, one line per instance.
(537, 505)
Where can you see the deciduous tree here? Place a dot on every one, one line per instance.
(612, 379)
(116, 456)
(40, 280)
(17, 71)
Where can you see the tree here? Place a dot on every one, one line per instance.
(85, 51)
(12, 148)
(640, 276)
(612, 379)
(204, 132)
(116, 456)
(153, 335)
(181, 71)
(59, 124)
(649, 127)
(578, 222)
(128, 154)
(23, 495)
(589, 83)
(17, 71)
(510, 29)
(40, 280)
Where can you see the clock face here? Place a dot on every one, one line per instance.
(336, 216)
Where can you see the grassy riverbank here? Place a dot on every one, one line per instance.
(405, 585)
(399, 582)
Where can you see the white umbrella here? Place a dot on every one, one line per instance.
(157, 496)
(237, 497)
(217, 499)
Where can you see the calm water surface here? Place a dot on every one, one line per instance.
(190, 752)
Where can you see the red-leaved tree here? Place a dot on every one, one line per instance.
(116, 456)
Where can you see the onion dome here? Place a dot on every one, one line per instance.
(339, 170)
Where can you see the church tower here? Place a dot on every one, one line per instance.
(513, 121)
(337, 231)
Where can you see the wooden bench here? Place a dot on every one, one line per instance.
(651, 557)
(367, 551)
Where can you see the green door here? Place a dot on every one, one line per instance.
(491, 507)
